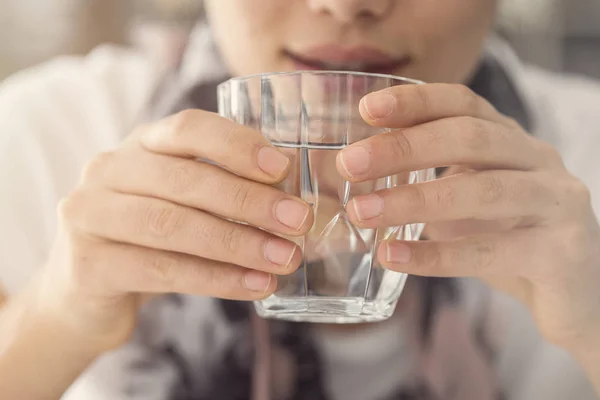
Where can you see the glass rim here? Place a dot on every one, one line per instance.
(322, 72)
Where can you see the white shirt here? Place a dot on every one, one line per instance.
(56, 117)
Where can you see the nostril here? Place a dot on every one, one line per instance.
(365, 14)
(350, 10)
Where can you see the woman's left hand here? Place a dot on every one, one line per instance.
(506, 211)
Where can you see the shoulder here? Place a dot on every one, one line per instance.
(557, 100)
(53, 118)
(545, 83)
(105, 62)
(571, 99)
(86, 103)
(108, 80)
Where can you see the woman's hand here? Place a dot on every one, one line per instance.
(150, 218)
(506, 211)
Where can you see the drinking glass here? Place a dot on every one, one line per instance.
(311, 116)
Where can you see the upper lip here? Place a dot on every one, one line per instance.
(355, 58)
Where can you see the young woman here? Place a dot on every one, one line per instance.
(111, 141)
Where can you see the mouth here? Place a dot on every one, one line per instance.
(336, 58)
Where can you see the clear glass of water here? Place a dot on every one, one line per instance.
(311, 116)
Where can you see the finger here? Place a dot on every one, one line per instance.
(464, 141)
(203, 186)
(519, 288)
(484, 195)
(477, 256)
(163, 225)
(197, 133)
(409, 105)
(130, 268)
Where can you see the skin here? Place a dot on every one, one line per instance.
(443, 39)
(508, 212)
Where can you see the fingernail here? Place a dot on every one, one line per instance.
(368, 206)
(280, 251)
(356, 160)
(398, 252)
(272, 161)
(291, 213)
(379, 104)
(257, 281)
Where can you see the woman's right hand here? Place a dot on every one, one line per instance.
(149, 218)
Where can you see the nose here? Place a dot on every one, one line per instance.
(351, 10)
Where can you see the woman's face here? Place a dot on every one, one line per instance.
(431, 40)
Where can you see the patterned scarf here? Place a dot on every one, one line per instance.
(206, 349)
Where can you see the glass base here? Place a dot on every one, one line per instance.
(328, 310)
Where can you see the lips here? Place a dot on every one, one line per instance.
(336, 58)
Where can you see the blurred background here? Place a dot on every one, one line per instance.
(561, 35)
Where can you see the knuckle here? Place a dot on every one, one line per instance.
(161, 220)
(448, 259)
(230, 239)
(484, 255)
(422, 93)
(231, 137)
(163, 269)
(431, 257)
(432, 137)
(182, 177)
(443, 258)
(96, 168)
(471, 101)
(220, 280)
(401, 145)
(71, 209)
(137, 134)
(535, 190)
(445, 197)
(512, 123)
(241, 197)
(569, 196)
(583, 193)
(139, 130)
(416, 200)
(182, 122)
(579, 193)
(476, 135)
(67, 209)
(490, 189)
(229, 134)
(232, 140)
(569, 245)
(548, 152)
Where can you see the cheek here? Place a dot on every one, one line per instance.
(451, 39)
(247, 33)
